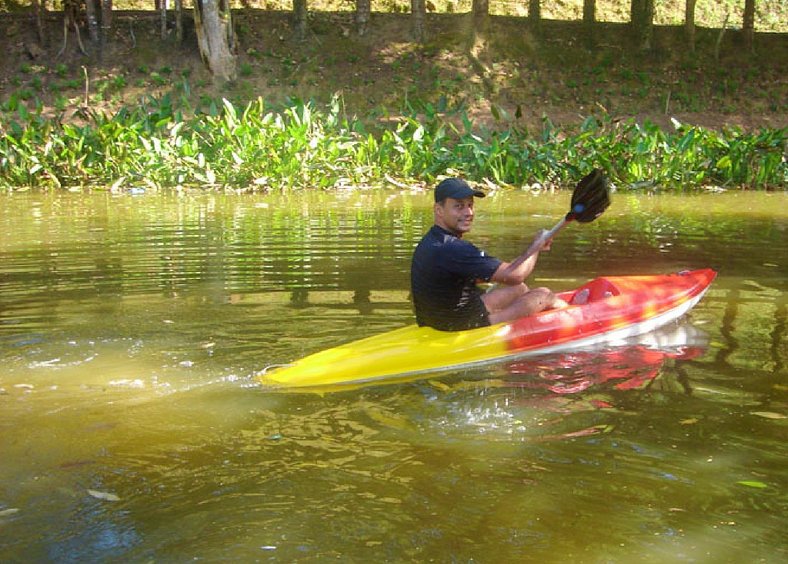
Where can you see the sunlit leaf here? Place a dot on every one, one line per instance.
(106, 496)
(752, 484)
(769, 414)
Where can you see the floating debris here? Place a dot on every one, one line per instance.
(769, 414)
(106, 496)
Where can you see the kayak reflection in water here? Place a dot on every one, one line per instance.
(627, 367)
(445, 270)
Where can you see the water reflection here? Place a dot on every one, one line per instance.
(131, 328)
(626, 366)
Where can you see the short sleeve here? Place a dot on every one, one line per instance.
(468, 261)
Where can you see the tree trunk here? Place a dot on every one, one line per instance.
(178, 21)
(38, 7)
(215, 37)
(718, 43)
(689, 24)
(70, 18)
(748, 25)
(418, 10)
(106, 19)
(162, 5)
(535, 11)
(363, 11)
(589, 18)
(481, 15)
(481, 9)
(92, 17)
(300, 13)
(642, 22)
(589, 11)
(648, 29)
(478, 42)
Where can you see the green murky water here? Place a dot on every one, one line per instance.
(132, 427)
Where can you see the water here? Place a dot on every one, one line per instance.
(132, 426)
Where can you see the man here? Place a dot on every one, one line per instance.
(445, 271)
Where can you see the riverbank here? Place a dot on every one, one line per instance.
(523, 107)
(515, 75)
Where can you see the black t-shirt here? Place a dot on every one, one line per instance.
(443, 277)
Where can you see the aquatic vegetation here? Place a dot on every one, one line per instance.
(164, 143)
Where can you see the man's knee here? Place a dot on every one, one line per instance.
(543, 294)
(521, 289)
(548, 299)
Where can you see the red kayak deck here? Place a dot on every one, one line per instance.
(605, 309)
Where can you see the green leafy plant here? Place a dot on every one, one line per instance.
(163, 142)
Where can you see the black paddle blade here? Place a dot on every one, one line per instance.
(590, 198)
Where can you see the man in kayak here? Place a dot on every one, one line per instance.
(445, 270)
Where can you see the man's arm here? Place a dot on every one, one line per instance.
(515, 272)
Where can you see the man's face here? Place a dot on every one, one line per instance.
(455, 215)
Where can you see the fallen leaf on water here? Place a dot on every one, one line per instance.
(752, 484)
(769, 414)
(104, 495)
(690, 421)
(601, 404)
(584, 432)
(440, 385)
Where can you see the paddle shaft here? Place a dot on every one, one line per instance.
(538, 243)
(544, 238)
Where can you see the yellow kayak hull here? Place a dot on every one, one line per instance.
(612, 308)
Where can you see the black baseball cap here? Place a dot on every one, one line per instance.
(455, 188)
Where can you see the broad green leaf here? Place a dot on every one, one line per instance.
(752, 484)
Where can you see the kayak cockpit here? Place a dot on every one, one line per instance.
(593, 291)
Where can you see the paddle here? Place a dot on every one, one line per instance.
(590, 198)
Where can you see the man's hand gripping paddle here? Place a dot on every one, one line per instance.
(590, 198)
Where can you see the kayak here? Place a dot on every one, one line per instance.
(605, 309)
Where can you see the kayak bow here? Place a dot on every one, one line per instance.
(605, 309)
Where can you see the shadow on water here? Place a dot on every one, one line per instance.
(132, 426)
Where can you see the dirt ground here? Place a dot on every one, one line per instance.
(513, 74)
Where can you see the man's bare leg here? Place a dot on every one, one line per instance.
(503, 296)
(512, 302)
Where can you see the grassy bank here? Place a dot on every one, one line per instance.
(530, 106)
(158, 144)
